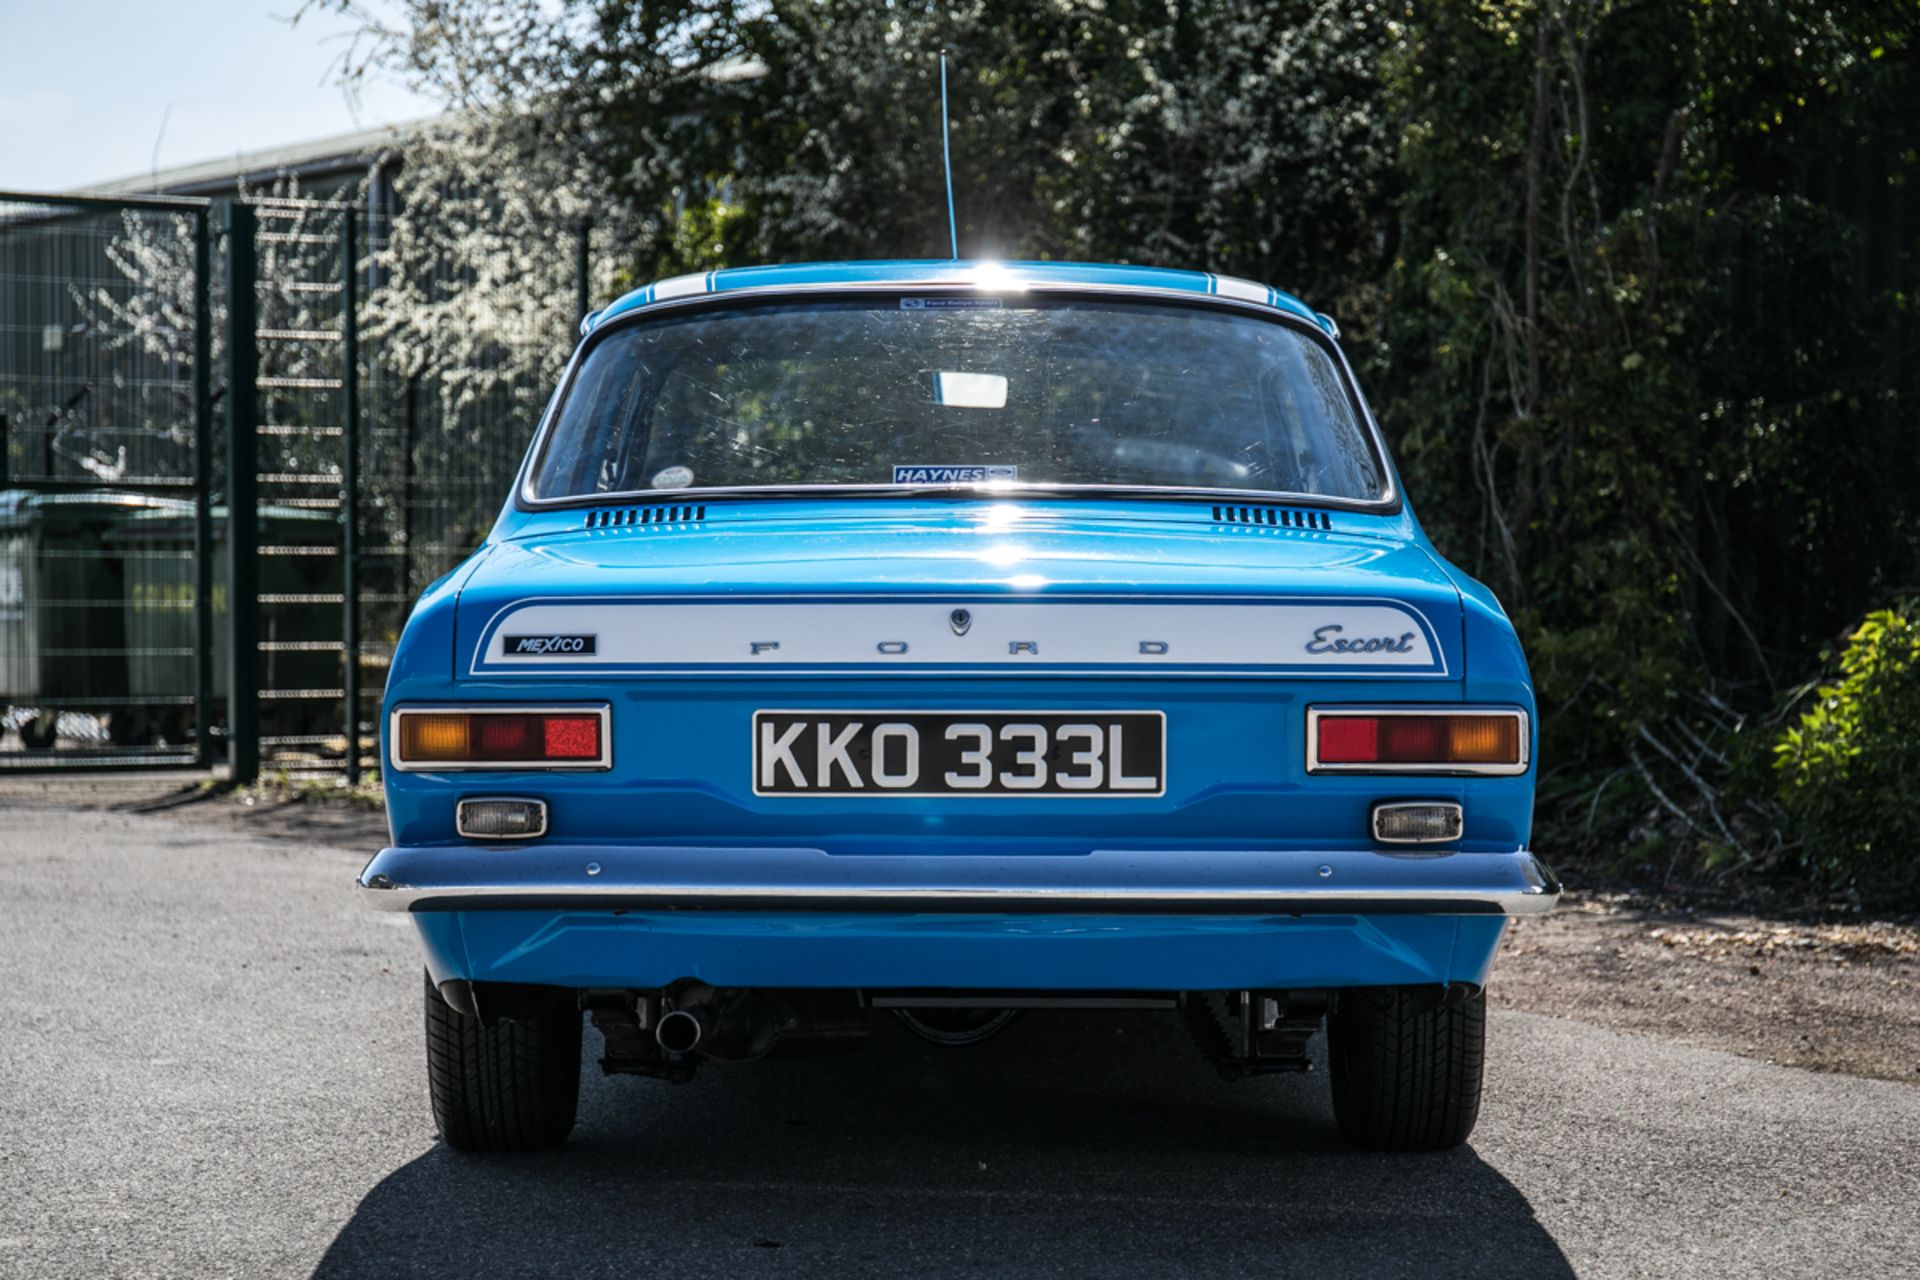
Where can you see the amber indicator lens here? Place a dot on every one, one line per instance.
(435, 737)
(1483, 739)
(499, 737)
(1438, 740)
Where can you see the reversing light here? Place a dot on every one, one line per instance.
(1417, 822)
(488, 738)
(501, 818)
(1397, 741)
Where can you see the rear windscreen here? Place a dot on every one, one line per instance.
(959, 391)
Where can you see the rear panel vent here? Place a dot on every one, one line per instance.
(643, 517)
(1273, 517)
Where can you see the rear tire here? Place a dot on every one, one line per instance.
(513, 1085)
(1407, 1067)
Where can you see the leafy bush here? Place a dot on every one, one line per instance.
(1849, 771)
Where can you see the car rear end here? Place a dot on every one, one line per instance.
(1051, 672)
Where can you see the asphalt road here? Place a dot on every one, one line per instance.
(210, 1065)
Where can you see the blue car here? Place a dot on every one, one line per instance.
(942, 641)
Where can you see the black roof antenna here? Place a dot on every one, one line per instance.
(946, 159)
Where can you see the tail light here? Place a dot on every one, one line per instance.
(1371, 740)
(445, 738)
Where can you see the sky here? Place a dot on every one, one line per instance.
(86, 86)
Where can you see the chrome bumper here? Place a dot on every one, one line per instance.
(1168, 882)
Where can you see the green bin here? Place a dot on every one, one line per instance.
(63, 636)
(300, 612)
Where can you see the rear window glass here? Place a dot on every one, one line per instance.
(998, 393)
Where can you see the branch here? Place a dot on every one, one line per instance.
(1593, 809)
(1699, 743)
(1711, 793)
(1640, 766)
(1577, 77)
(1536, 144)
(1753, 641)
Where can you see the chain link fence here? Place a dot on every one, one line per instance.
(379, 455)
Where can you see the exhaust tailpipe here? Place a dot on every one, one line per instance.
(743, 1025)
(682, 1030)
(733, 1028)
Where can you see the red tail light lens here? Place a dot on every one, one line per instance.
(1413, 742)
(571, 737)
(556, 738)
(501, 737)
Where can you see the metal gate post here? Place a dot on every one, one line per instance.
(350, 484)
(409, 422)
(202, 489)
(243, 499)
(582, 267)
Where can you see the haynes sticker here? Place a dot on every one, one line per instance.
(951, 304)
(954, 475)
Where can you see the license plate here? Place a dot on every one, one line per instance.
(959, 753)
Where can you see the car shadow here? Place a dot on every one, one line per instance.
(1070, 1143)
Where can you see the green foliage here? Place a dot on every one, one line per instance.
(1639, 351)
(1849, 770)
(702, 238)
(1602, 394)
(1631, 282)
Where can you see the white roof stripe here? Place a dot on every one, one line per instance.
(1243, 290)
(682, 286)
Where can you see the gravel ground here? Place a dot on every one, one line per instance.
(1827, 997)
(211, 1065)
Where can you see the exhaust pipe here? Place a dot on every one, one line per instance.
(733, 1028)
(743, 1025)
(682, 1030)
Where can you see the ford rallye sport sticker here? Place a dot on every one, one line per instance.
(1190, 636)
(541, 646)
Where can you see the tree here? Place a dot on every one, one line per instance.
(1637, 368)
(1630, 281)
